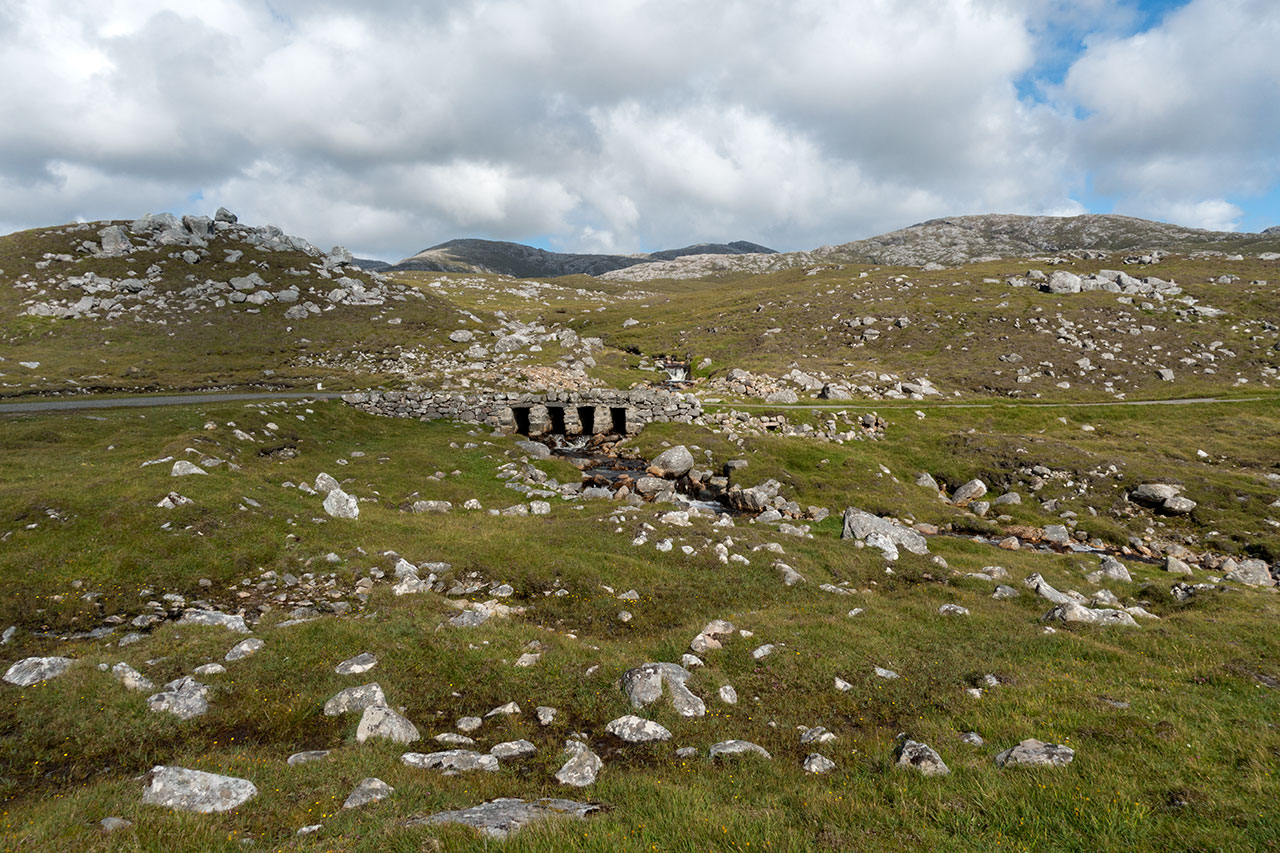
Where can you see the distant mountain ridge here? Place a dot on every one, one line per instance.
(949, 241)
(516, 259)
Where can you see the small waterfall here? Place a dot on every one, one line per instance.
(677, 372)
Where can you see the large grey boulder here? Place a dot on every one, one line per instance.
(1154, 494)
(582, 767)
(195, 790)
(339, 504)
(379, 721)
(354, 699)
(734, 748)
(183, 468)
(1252, 573)
(920, 756)
(1035, 753)
(1062, 282)
(882, 533)
(29, 671)
(460, 760)
(970, 491)
(672, 463)
(635, 729)
(368, 791)
(500, 818)
(114, 241)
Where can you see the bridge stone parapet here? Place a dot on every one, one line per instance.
(590, 411)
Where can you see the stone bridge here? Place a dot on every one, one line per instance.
(590, 411)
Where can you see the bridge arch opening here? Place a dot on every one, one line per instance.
(587, 417)
(521, 415)
(555, 414)
(618, 415)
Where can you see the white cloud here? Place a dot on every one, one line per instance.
(1185, 113)
(627, 124)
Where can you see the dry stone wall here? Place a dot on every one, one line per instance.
(585, 412)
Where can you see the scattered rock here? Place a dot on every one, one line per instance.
(459, 760)
(183, 468)
(738, 747)
(369, 790)
(815, 763)
(970, 491)
(112, 824)
(244, 649)
(1251, 573)
(1034, 753)
(354, 699)
(339, 504)
(1071, 611)
(882, 533)
(192, 616)
(184, 697)
(633, 729)
(131, 678)
(512, 749)
(356, 665)
(582, 767)
(381, 722)
(502, 817)
(672, 463)
(29, 671)
(920, 756)
(186, 790)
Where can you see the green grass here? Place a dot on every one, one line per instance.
(1188, 765)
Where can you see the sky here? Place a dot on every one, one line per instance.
(635, 125)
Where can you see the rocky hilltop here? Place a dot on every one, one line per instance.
(966, 239)
(516, 259)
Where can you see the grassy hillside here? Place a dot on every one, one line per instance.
(1170, 721)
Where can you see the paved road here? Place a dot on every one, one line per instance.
(67, 403)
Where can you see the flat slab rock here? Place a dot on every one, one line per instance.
(460, 760)
(195, 790)
(29, 671)
(192, 616)
(500, 818)
(738, 747)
